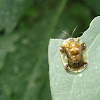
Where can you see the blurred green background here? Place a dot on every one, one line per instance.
(25, 29)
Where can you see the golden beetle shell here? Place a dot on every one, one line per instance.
(74, 55)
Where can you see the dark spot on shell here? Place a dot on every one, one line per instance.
(74, 63)
(79, 62)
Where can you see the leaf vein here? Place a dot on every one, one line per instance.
(72, 87)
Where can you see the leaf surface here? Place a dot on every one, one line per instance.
(83, 86)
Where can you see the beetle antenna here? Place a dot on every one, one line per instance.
(73, 31)
(66, 33)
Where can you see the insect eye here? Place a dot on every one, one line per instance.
(79, 62)
(74, 63)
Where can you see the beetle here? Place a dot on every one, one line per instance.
(74, 54)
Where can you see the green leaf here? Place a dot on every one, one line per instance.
(83, 86)
(24, 74)
(94, 4)
(11, 11)
(6, 46)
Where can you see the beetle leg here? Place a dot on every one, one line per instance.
(85, 64)
(83, 46)
(62, 49)
(67, 67)
(78, 39)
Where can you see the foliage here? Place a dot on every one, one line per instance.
(25, 29)
(83, 86)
